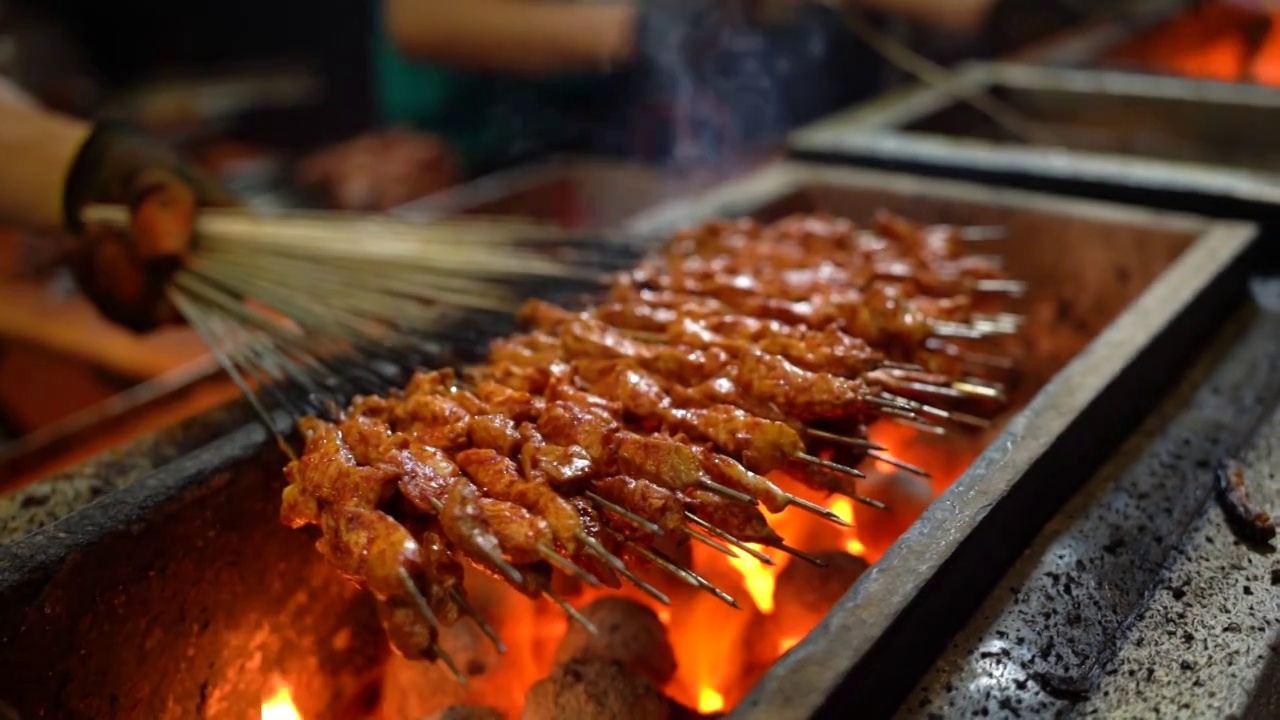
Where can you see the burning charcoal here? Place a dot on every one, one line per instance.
(417, 689)
(805, 588)
(628, 632)
(1248, 522)
(680, 712)
(804, 594)
(587, 689)
(466, 712)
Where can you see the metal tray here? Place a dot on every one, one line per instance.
(1168, 141)
(1118, 289)
(573, 192)
(181, 556)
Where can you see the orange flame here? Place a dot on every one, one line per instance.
(280, 705)
(1210, 42)
(758, 578)
(721, 652)
(788, 642)
(710, 701)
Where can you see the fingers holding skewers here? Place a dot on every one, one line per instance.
(131, 204)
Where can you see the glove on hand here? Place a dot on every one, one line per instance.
(125, 273)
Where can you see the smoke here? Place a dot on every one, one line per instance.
(708, 95)
(707, 89)
(725, 88)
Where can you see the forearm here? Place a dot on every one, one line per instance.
(513, 35)
(966, 16)
(37, 148)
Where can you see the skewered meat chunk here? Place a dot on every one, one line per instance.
(662, 460)
(650, 501)
(519, 406)
(730, 474)
(593, 528)
(298, 508)
(466, 525)
(408, 633)
(562, 466)
(518, 531)
(738, 519)
(589, 428)
(762, 445)
(736, 353)
(374, 550)
(495, 432)
(500, 477)
(327, 471)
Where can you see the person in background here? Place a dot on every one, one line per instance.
(501, 79)
(55, 165)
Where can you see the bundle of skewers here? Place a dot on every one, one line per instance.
(740, 353)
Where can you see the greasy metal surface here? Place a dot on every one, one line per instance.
(185, 544)
(1136, 601)
(1110, 131)
(889, 624)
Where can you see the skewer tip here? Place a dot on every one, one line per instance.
(857, 442)
(730, 493)
(794, 552)
(815, 509)
(828, 465)
(571, 611)
(914, 470)
(568, 566)
(449, 663)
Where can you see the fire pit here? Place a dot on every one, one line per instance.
(1219, 41)
(182, 595)
(1157, 140)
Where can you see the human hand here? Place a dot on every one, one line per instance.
(125, 272)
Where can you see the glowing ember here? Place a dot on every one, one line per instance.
(280, 705)
(710, 701)
(854, 547)
(720, 652)
(788, 642)
(1212, 42)
(843, 508)
(758, 579)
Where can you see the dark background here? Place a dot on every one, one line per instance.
(127, 42)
